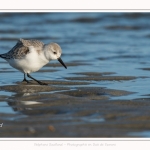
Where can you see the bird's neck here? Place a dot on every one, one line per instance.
(46, 53)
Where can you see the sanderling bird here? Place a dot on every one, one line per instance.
(29, 56)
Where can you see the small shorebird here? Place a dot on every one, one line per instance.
(30, 55)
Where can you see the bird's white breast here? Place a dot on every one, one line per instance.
(32, 62)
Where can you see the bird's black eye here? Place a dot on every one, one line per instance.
(54, 52)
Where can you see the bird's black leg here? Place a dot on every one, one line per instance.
(25, 80)
(41, 83)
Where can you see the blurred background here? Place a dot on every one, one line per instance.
(108, 42)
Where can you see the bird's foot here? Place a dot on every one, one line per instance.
(24, 80)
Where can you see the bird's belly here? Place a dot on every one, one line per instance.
(25, 65)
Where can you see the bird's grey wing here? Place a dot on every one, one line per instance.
(35, 43)
(17, 52)
(21, 49)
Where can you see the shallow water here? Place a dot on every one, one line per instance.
(108, 42)
(116, 43)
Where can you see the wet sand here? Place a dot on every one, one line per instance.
(73, 109)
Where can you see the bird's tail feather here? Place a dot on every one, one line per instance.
(2, 56)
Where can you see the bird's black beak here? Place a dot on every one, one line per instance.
(60, 60)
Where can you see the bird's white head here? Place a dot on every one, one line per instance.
(53, 51)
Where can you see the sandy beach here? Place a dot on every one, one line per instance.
(73, 112)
